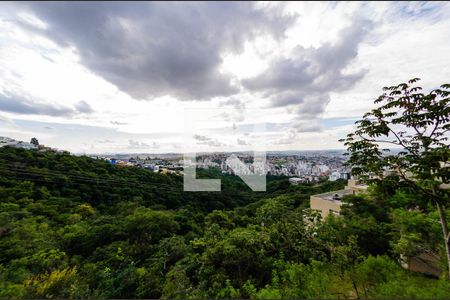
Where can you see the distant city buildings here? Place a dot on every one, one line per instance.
(6, 141)
(156, 165)
(301, 168)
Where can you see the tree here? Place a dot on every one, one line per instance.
(418, 125)
(34, 141)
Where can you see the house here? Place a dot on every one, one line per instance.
(25, 145)
(331, 202)
(6, 141)
(296, 180)
(335, 175)
(356, 187)
(44, 148)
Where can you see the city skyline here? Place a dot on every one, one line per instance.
(118, 78)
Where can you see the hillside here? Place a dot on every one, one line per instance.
(75, 227)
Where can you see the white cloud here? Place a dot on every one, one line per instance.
(326, 65)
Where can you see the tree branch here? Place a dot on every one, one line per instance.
(377, 141)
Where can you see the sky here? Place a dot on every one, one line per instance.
(156, 77)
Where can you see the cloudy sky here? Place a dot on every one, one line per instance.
(167, 77)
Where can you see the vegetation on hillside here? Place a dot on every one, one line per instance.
(74, 227)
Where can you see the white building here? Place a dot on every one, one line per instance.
(296, 180)
(6, 141)
(335, 175)
(25, 145)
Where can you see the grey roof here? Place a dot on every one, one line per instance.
(329, 195)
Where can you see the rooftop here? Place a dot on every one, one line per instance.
(334, 196)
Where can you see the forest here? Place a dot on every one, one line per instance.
(76, 227)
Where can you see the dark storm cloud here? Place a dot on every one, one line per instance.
(149, 49)
(11, 102)
(307, 77)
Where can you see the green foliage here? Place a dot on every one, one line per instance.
(74, 227)
(415, 122)
(416, 231)
(418, 125)
(34, 141)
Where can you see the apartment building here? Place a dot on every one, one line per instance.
(331, 202)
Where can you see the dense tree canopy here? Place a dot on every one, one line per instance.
(75, 227)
